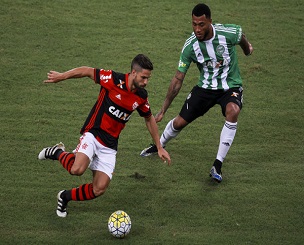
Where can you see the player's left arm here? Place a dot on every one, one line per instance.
(153, 129)
(246, 45)
(83, 71)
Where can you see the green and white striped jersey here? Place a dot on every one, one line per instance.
(216, 58)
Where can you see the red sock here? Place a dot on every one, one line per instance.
(67, 160)
(83, 192)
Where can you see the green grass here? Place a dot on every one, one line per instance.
(261, 198)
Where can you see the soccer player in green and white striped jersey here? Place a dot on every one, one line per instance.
(212, 47)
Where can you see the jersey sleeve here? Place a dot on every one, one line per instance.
(185, 58)
(102, 76)
(238, 33)
(239, 36)
(96, 75)
(144, 110)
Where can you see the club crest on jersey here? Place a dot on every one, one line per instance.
(119, 114)
(135, 105)
(147, 105)
(220, 49)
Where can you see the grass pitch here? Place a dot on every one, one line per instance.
(260, 200)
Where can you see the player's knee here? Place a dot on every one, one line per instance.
(77, 171)
(179, 123)
(99, 190)
(232, 112)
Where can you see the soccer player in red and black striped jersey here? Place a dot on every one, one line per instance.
(120, 94)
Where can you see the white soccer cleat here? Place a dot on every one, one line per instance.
(215, 175)
(49, 152)
(61, 206)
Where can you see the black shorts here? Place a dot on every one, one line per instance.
(200, 100)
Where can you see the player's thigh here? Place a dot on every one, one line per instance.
(104, 160)
(84, 153)
(231, 102)
(81, 163)
(198, 102)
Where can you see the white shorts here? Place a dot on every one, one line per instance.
(102, 158)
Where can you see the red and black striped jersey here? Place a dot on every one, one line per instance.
(114, 107)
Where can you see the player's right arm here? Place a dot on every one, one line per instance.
(246, 45)
(153, 129)
(173, 90)
(83, 71)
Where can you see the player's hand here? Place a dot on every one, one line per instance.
(250, 49)
(159, 116)
(53, 77)
(164, 155)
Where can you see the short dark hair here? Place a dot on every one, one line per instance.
(141, 62)
(201, 9)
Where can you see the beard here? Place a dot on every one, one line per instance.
(138, 85)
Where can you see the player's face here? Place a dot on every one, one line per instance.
(141, 78)
(202, 27)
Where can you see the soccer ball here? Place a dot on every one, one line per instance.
(119, 224)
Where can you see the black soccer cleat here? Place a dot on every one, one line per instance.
(152, 149)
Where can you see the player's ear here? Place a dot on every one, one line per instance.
(133, 72)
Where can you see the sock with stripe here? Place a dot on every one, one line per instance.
(81, 193)
(226, 139)
(169, 133)
(67, 160)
